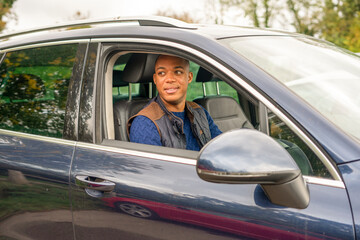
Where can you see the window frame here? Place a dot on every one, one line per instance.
(234, 79)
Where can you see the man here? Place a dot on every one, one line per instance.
(169, 120)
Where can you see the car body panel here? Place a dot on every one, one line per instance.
(71, 120)
(34, 186)
(87, 116)
(350, 172)
(163, 186)
(123, 29)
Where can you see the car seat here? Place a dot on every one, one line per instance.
(225, 111)
(139, 69)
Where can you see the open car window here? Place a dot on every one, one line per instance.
(229, 108)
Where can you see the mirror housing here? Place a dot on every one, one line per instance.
(247, 156)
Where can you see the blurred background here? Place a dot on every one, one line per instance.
(337, 21)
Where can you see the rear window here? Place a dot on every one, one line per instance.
(33, 89)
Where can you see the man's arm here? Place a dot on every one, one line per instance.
(143, 130)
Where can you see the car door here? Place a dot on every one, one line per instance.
(34, 156)
(128, 190)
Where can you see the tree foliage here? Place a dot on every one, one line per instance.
(5, 6)
(340, 23)
(304, 15)
(260, 11)
(337, 21)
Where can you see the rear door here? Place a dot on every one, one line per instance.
(133, 191)
(35, 158)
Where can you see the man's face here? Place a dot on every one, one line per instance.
(171, 78)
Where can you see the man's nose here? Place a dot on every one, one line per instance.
(170, 77)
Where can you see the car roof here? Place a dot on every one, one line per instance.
(119, 27)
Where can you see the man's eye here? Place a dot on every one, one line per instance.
(161, 73)
(178, 72)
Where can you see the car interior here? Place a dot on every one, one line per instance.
(225, 110)
(133, 88)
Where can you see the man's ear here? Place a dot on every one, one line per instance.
(190, 77)
(154, 78)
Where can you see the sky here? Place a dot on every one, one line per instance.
(34, 13)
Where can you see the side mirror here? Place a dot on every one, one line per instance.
(248, 156)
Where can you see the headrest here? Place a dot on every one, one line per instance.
(204, 75)
(140, 68)
(117, 79)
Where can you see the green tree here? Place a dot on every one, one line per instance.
(336, 21)
(302, 15)
(5, 6)
(340, 23)
(260, 11)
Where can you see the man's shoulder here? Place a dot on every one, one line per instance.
(152, 111)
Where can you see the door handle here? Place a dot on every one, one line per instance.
(94, 183)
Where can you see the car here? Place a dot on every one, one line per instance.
(287, 165)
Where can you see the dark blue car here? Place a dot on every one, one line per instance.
(287, 165)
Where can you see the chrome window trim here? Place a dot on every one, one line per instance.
(334, 173)
(324, 182)
(47, 44)
(136, 153)
(2, 57)
(38, 137)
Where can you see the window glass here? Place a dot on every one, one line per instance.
(325, 76)
(195, 88)
(122, 92)
(214, 87)
(120, 88)
(307, 161)
(227, 90)
(33, 89)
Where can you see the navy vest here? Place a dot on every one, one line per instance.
(170, 127)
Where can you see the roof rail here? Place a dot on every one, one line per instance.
(160, 21)
(156, 21)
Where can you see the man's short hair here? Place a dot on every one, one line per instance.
(187, 62)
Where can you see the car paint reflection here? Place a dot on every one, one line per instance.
(153, 210)
(34, 193)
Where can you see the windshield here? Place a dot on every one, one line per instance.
(325, 76)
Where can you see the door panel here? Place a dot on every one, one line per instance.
(156, 199)
(34, 159)
(34, 195)
(350, 172)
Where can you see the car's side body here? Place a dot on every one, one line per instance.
(163, 181)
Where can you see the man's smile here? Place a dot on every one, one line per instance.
(172, 89)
